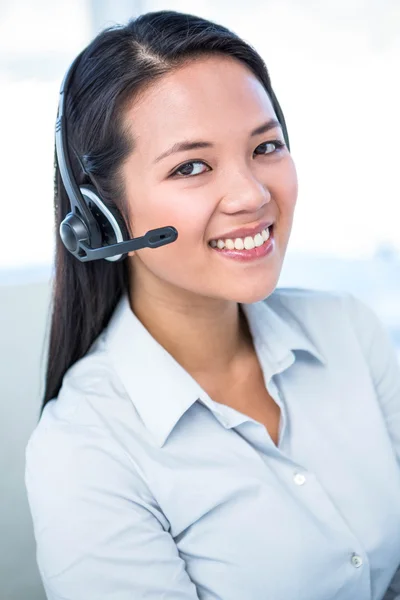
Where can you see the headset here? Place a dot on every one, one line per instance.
(93, 230)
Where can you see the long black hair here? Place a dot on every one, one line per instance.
(118, 64)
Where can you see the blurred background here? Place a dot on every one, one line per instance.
(333, 66)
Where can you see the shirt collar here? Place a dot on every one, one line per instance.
(160, 388)
(279, 332)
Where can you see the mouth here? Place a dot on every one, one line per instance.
(246, 243)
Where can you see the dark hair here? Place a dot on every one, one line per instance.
(118, 64)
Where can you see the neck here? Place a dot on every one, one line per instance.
(208, 337)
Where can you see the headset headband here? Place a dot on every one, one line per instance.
(64, 161)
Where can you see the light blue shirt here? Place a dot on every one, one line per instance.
(143, 487)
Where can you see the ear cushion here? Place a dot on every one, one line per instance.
(118, 231)
(109, 218)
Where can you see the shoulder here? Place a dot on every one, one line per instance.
(345, 328)
(332, 318)
(310, 306)
(311, 312)
(90, 390)
(85, 419)
(306, 301)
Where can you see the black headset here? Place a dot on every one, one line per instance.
(93, 230)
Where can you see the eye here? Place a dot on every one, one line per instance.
(187, 170)
(277, 144)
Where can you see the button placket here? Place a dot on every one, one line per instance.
(354, 559)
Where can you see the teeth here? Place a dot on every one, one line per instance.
(247, 243)
(239, 244)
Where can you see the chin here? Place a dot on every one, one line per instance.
(255, 293)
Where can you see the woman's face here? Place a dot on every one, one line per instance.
(235, 180)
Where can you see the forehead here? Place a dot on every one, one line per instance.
(205, 95)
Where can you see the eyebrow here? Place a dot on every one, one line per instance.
(192, 145)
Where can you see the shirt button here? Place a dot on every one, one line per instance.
(299, 479)
(356, 561)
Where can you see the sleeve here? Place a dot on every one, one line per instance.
(99, 532)
(384, 366)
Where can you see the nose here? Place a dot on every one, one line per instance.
(245, 192)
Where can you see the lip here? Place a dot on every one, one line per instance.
(246, 256)
(244, 231)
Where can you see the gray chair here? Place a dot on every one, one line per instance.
(24, 314)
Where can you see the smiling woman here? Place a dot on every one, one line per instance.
(241, 175)
(203, 434)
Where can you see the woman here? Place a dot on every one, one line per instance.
(204, 434)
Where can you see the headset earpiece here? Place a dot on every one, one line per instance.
(109, 219)
(73, 230)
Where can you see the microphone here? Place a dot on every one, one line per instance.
(152, 239)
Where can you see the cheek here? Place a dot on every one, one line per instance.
(183, 263)
(189, 213)
(286, 193)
